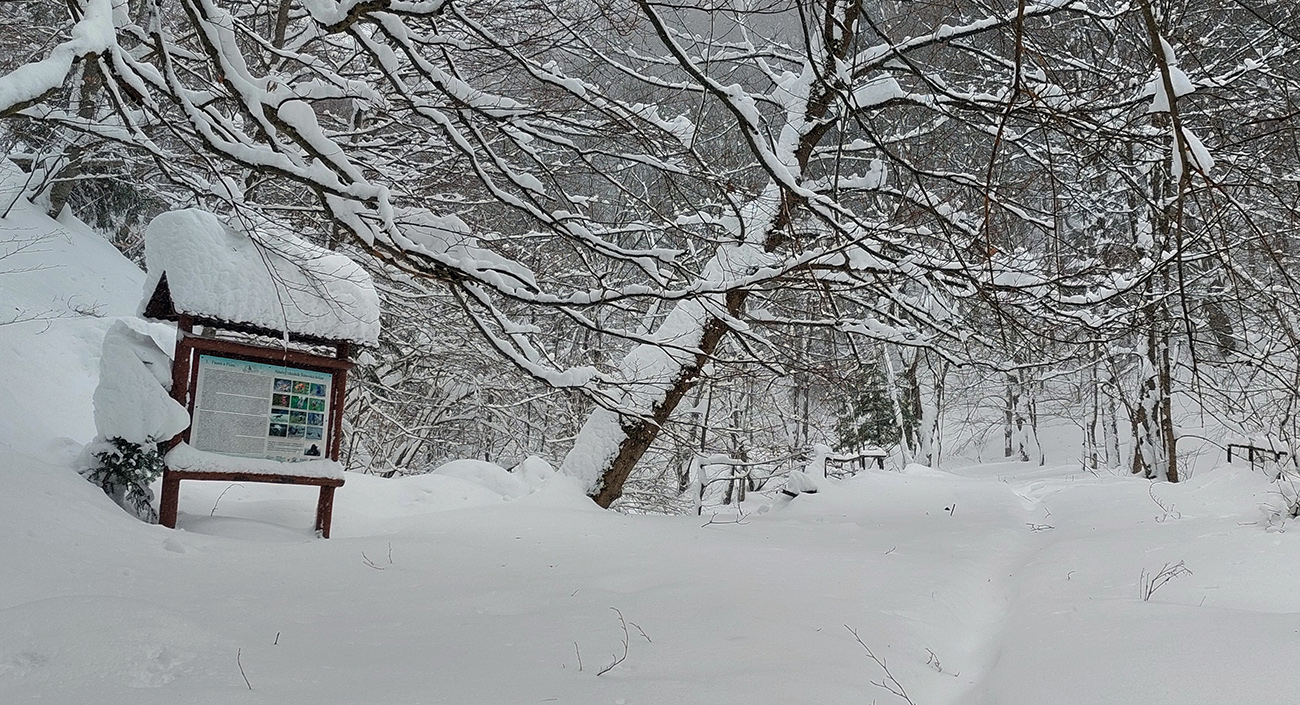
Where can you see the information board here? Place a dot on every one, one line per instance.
(254, 410)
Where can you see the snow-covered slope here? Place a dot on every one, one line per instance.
(63, 285)
(998, 584)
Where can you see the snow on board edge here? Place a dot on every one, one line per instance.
(187, 458)
(276, 282)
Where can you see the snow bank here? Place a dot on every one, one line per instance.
(81, 644)
(800, 483)
(534, 470)
(283, 283)
(489, 475)
(62, 288)
(188, 458)
(372, 499)
(560, 492)
(533, 481)
(131, 401)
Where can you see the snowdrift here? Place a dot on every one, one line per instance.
(1001, 584)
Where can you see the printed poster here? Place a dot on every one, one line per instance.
(254, 410)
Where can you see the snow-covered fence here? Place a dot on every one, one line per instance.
(846, 463)
(708, 470)
(1256, 454)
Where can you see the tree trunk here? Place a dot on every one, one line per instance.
(90, 80)
(627, 436)
(612, 441)
(895, 398)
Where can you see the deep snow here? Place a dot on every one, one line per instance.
(1001, 584)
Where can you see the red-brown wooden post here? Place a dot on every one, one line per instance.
(325, 510)
(339, 394)
(181, 362)
(171, 494)
(169, 503)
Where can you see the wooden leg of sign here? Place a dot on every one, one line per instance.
(325, 511)
(171, 492)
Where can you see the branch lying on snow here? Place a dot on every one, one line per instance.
(619, 658)
(1148, 583)
(366, 559)
(889, 682)
(239, 662)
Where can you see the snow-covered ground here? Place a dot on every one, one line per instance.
(1002, 584)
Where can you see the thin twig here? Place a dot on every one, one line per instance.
(240, 663)
(643, 634)
(889, 683)
(740, 519)
(1148, 583)
(223, 494)
(617, 658)
(1168, 510)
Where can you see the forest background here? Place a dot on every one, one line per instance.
(663, 243)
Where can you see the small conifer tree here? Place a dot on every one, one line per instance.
(124, 470)
(867, 416)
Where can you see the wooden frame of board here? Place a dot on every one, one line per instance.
(185, 370)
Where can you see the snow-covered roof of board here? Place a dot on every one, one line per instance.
(200, 266)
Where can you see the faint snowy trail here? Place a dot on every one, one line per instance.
(1077, 631)
(957, 545)
(1032, 486)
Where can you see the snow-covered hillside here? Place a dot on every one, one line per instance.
(1001, 584)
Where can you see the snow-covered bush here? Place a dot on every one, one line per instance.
(1284, 504)
(133, 414)
(124, 470)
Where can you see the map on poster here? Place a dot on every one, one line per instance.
(254, 410)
